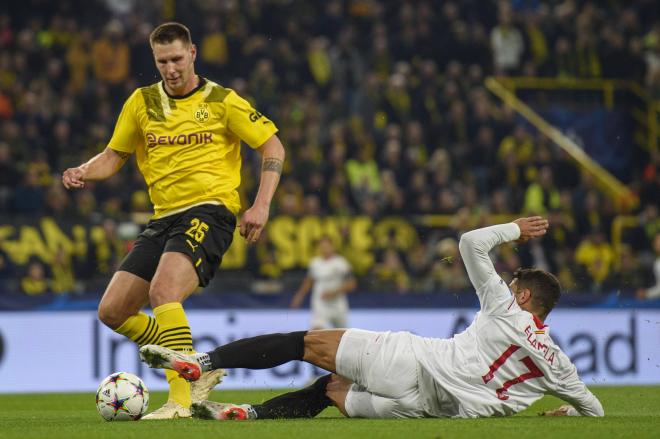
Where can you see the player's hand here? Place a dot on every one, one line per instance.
(561, 411)
(73, 178)
(253, 222)
(531, 227)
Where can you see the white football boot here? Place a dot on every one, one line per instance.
(202, 383)
(159, 357)
(222, 411)
(201, 389)
(171, 410)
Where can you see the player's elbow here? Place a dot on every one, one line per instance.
(592, 409)
(466, 243)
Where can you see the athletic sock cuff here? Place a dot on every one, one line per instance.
(166, 307)
(299, 336)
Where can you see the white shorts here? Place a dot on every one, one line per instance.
(326, 317)
(384, 369)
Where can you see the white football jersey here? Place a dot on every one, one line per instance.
(328, 274)
(505, 360)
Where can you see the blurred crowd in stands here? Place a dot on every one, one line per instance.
(381, 106)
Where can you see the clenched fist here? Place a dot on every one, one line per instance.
(74, 178)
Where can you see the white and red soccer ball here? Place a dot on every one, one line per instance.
(122, 396)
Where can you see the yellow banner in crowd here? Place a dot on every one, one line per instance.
(289, 243)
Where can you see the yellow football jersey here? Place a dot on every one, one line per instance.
(188, 148)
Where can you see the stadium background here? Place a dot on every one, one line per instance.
(406, 123)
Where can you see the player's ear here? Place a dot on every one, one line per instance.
(524, 296)
(193, 52)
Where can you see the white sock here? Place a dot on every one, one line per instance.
(204, 360)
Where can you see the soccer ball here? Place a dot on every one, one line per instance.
(122, 396)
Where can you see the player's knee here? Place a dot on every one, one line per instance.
(159, 295)
(110, 316)
(162, 292)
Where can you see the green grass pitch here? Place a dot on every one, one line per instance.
(632, 412)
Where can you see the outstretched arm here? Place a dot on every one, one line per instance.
(99, 167)
(475, 245)
(582, 402)
(272, 158)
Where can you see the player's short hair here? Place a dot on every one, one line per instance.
(166, 33)
(544, 286)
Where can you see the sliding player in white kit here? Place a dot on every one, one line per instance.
(330, 278)
(502, 363)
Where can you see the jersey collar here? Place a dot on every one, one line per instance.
(202, 83)
(539, 324)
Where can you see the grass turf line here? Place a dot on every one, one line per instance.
(632, 412)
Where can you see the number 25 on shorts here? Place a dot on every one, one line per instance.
(197, 230)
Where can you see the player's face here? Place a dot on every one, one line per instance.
(326, 248)
(176, 63)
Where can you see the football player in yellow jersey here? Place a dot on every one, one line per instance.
(185, 132)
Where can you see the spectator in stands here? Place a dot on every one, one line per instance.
(29, 196)
(595, 254)
(390, 273)
(363, 175)
(653, 292)
(507, 43)
(542, 195)
(35, 281)
(63, 277)
(447, 272)
(628, 274)
(111, 55)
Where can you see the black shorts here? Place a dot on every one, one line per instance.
(204, 233)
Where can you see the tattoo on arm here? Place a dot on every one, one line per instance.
(272, 165)
(123, 155)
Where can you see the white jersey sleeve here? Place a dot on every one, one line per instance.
(571, 389)
(494, 295)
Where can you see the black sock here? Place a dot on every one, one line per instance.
(261, 352)
(305, 403)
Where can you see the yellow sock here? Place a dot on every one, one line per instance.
(174, 333)
(140, 328)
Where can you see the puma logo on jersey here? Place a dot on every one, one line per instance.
(192, 246)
